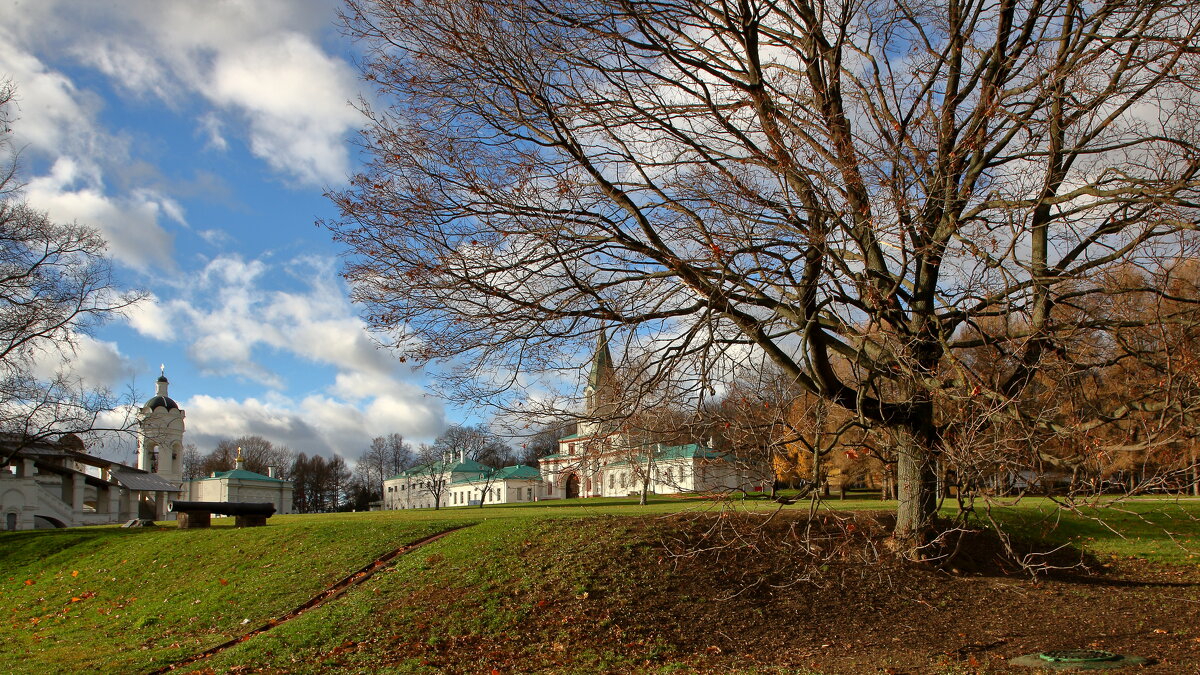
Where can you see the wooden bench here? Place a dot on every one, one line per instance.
(199, 514)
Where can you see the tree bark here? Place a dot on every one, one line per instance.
(916, 488)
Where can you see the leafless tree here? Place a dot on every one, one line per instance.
(258, 453)
(193, 462)
(847, 188)
(431, 475)
(56, 285)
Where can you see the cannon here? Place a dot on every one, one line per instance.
(199, 514)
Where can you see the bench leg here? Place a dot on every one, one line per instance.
(188, 520)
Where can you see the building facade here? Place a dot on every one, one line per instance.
(601, 462)
(459, 481)
(241, 485)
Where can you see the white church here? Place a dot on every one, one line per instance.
(160, 452)
(599, 461)
(595, 462)
(49, 484)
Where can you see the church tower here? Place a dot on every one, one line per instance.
(160, 434)
(600, 394)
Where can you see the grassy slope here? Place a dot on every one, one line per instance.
(116, 600)
(150, 596)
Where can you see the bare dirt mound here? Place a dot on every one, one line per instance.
(727, 592)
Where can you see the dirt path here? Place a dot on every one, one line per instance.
(330, 593)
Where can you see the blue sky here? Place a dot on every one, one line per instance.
(199, 138)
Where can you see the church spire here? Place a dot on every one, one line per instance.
(600, 376)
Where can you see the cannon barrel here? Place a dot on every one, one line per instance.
(226, 508)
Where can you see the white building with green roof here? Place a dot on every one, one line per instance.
(446, 482)
(241, 485)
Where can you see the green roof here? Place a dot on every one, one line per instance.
(689, 451)
(241, 474)
(602, 365)
(518, 472)
(515, 472)
(469, 466)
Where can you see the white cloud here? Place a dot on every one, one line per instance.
(258, 63)
(211, 125)
(230, 322)
(132, 69)
(71, 192)
(98, 364)
(51, 112)
(296, 101)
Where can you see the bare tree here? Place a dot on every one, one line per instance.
(431, 475)
(259, 454)
(56, 285)
(849, 189)
(542, 441)
(398, 455)
(372, 465)
(192, 462)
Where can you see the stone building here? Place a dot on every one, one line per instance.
(459, 481)
(600, 461)
(241, 485)
(160, 434)
(48, 484)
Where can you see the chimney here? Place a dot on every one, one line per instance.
(272, 472)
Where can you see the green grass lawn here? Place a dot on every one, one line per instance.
(117, 600)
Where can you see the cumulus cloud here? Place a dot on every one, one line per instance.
(130, 224)
(229, 319)
(259, 63)
(296, 101)
(211, 125)
(52, 113)
(98, 364)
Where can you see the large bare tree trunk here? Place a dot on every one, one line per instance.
(916, 488)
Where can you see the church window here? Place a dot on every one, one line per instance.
(622, 481)
(528, 494)
(571, 449)
(612, 481)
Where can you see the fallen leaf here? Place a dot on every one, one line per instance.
(75, 573)
(29, 582)
(224, 582)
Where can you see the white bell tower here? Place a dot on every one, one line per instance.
(160, 434)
